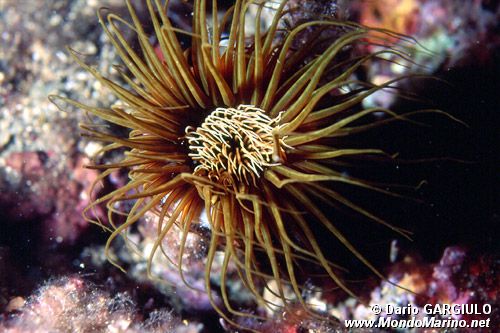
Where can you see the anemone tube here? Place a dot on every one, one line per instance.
(242, 128)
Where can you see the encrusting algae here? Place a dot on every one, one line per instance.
(242, 130)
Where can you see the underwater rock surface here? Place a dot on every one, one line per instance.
(54, 276)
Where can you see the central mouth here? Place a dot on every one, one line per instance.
(235, 145)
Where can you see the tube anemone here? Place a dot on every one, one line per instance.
(244, 129)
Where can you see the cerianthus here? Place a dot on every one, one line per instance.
(241, 130)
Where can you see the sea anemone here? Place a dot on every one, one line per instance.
(244, 131)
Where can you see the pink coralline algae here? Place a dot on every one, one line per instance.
(459, 277)
(442, 34)
(36, 189)
(463, 279)
(71, 304)
(459, 30)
